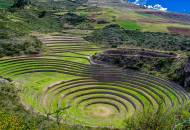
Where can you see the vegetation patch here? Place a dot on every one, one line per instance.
(115, 36)
(15, 38)
(73, 4)
(12, 113)
(5, 4)
(131, 25)
(73, 19)
(162, 119)
(14, 46)
(21, 3)
(111, 35)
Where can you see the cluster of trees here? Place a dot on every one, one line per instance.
(114, 36)
(14, 46)
(73, 19)
(72, 5)
(157, 40)
(111, 35)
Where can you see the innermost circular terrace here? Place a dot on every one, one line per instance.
(101, 110)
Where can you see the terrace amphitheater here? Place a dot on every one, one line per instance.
(88, 91)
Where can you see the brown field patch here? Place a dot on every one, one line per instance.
(178, 30)
(173, 17)
(156, 21)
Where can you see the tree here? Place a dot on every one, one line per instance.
(51, 2)
(21, 3)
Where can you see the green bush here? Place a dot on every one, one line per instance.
(73, 4)
(21, 3)
(175, 118)
(85, 26)
(10, 122)
(157, 40)
(16, 27)
(20, 46)
(72, 19)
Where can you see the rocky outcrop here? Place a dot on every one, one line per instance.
(136, 58)
(169, 65)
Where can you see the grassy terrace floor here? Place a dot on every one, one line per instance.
(90, 94)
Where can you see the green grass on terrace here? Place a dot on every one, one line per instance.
(36, 83)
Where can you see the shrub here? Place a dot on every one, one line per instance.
(10, 122)
(42, 14)
(111, 35)
(162, 119)
(20, 46)
(85, 26)
(72, 19)
(73, 4)
(21, 3)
